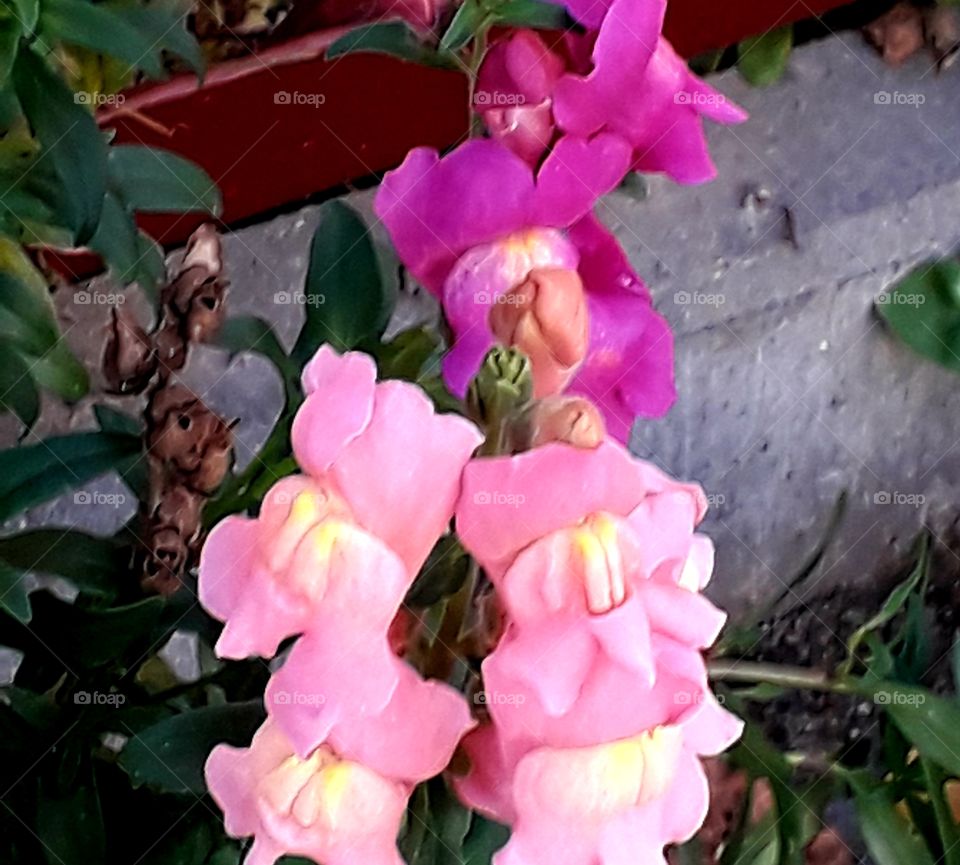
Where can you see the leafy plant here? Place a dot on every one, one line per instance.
(61, 183)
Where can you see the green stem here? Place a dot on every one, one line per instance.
(476, 59)
(803, 678)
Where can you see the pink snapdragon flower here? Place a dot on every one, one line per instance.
(341, 801)
(616, 802)
(334, 551)
(518, 256)
(596, 563)
(622, 77)
(382, 477)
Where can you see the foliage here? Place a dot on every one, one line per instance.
(62, 182)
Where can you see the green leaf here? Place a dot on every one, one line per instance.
(923, 309)
(929, 722)
(763, 59)
(102, 29)
(889, 836)
(947, 830)
(72, 146)
(406, 355)
(348, 300)
(892, 606)
(111, 420)
(27, 11)
(164, 23)
(71, 826)
(151, 180)
(252, 334)
(96, 566)
(444, 572)
(170, 755)
(186, 844)
(395, 38)
(17, 391)
(33, 474)
(116, 240)
(471, 19)
(535, 14)
(93, 638)
(483, 840)
(10, 32)
(14, 598)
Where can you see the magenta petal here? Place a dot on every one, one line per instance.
(330, 678)
(624, 48)
(629, 366)
(338, 406)
(576, 173)
(679, 150)
(415, 735)
(435, 209)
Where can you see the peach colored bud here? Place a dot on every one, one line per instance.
(570, 419)
(545, 317)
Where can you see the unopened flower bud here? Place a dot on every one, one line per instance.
(502, 385)
(545, 317)
(569, 419)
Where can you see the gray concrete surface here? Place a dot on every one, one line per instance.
(790, 389)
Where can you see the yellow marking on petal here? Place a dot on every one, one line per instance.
(689, 576)
(661, 747)
(604, 581)
(336, 781)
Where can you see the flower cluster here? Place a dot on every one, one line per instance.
(592, 705)
(502, 229)
(597, 693)
(351, 728)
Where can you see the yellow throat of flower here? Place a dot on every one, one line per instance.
(604, 581)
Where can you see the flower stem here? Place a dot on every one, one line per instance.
(803, 678)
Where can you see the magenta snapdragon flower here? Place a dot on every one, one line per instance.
(620, 77)
(518, 257)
